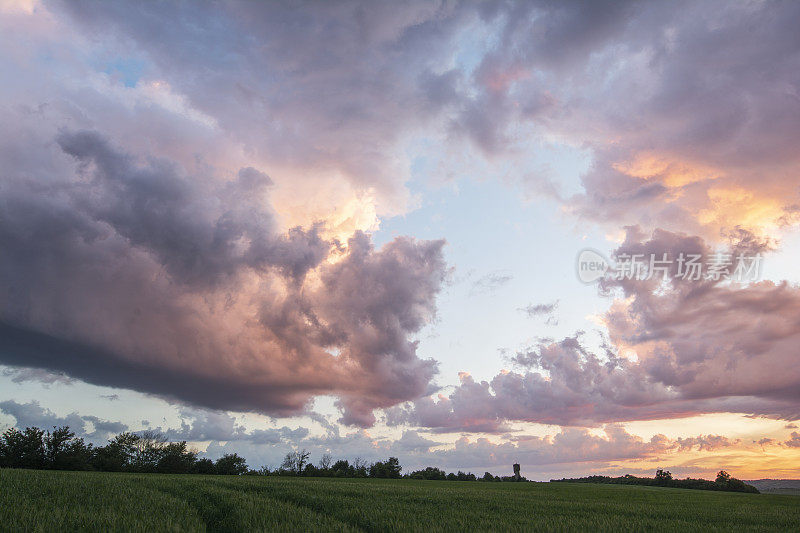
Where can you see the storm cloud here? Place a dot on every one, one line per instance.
(136, 274)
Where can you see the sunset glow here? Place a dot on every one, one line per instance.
(354, 228)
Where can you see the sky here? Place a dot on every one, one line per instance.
(354, 228)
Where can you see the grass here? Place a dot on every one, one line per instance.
(33, 500)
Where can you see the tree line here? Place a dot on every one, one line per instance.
(663, 478)
(151, 452)
(147, 451)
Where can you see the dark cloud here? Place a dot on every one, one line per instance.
(142, 257)
(794, 440)
(198, 234)
(259, 70)
(139, 275)
(688, 108)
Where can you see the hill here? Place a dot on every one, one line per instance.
(776, 486)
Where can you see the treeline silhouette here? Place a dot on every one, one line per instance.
(663, 478)
(148, 451)
(151, 452)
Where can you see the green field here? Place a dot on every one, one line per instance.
(33, 500)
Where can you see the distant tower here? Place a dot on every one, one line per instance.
(516, 472)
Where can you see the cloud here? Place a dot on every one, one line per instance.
(21, 375)
(545, 309)
(140, 275)
(574, 445)
(198, 425)
(148, 247)
(533, 310)
(32, 414)
(675, 141)
(568, 450)
(766, 441)
(794, 440)
(491, 282)
(704, 442)
(201, 227)
(323, 114)
(673, 350)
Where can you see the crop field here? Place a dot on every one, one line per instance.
(68, 501)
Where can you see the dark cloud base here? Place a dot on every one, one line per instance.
(26, 348)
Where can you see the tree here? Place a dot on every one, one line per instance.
(312, 471)
(325, 462)
(204, 466)
(461, 476)
(342, 468)
(723, 477)
(148, 450)
(176, 459)
(663, 477)
(55, 444)
(430, 473)
(231, 464)
(118, 454)
(387, 469)
(360, 467)
(295, 462)
(63, 451)
(301, 459)
(23, 449)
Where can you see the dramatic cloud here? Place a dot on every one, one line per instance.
(188, 192)
(675, 349)
(690, 109)
(333, 112)
(140, 275)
